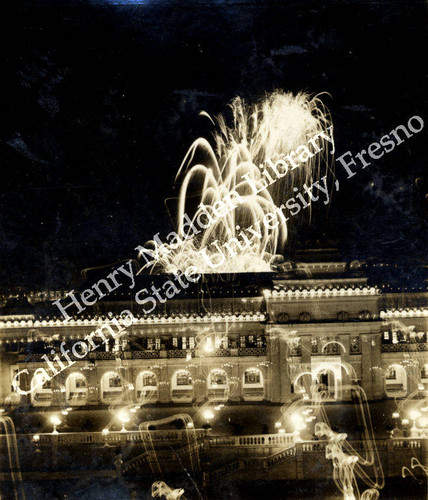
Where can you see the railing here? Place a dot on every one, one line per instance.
(156, 354)
(403, 347)
(263, 463)
(406, 443)
(176, 353)
(281, 457)
(252, 351)
(106, 355)
(149, 354)
(221, 351)
(183, 436)
(358, 446)
(253, 440)
(135, 462)
(65, 438)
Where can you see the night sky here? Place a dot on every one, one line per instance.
(99, 104)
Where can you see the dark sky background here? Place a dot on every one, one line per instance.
(99, 104)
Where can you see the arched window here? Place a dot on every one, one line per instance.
(217, 378)
(42, 393)
(395, 381)
(111, 387)
(76, 387)
(253, 376)
(282, 317)
(364, 315)
(253, 385)
(305, 317)
(147, 385)
(218, 386)
(182, 386)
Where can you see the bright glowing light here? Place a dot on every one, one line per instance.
(190, 425)
(217, 408)
(1, 410)
(297, 421)
(234, 190)
(423, 422)
(395, 414)
(36, 438)
(414, 414)
(123, 416)
(55, 420)
(277, 425)
(209, 345)
(64, 412)
(281, 431)
(208, 414)
(133, 410)
(105, 432)
(405, 421)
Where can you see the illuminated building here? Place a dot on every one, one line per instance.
(266, 337)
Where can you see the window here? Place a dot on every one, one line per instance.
(391, 374)
(157, 344)
(150, 344)
(146, 379)
(355, 345)
(283, 317)
(184, 342)
(114, 381)
(175, 342)
(252, 377)
(218, 377)
(314, 345)
(364, 315)
(76, 389)
(80, 382)
(183, 378)
(191, 342)
(305, 317)
(242, 341)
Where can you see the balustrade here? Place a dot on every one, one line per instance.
(403, 347)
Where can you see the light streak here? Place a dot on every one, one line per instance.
(281, 128)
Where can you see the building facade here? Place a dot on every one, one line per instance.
(253, 338)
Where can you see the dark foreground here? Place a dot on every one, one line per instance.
(106, 489)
